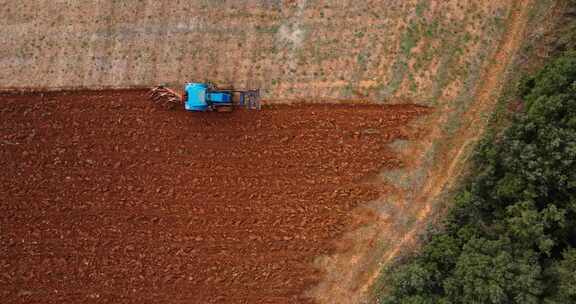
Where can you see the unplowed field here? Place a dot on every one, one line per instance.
(105, 198)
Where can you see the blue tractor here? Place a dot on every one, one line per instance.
(207, 97)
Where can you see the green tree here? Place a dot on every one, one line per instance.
(563, 276)
(510, 233)
(493, 271)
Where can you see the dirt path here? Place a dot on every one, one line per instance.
(358, 270)
(474, 121)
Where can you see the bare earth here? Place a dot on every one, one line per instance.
(105, 198)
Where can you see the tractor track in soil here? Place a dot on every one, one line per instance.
(105, 198)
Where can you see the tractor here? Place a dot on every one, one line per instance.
(204, 97)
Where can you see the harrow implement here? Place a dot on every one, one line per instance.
(165, 97)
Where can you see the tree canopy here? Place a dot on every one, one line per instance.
(511, 235)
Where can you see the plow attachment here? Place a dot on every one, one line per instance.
(165, 97)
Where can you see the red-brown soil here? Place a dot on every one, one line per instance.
(105, 198)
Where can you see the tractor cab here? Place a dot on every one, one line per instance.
(203, 97)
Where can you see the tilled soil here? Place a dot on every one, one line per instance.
(105, 198)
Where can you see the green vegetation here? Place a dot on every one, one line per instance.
(511, 235)
(421, 7)
(567, 34)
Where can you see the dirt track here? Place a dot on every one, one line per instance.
(105, 198)
(450, 160)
